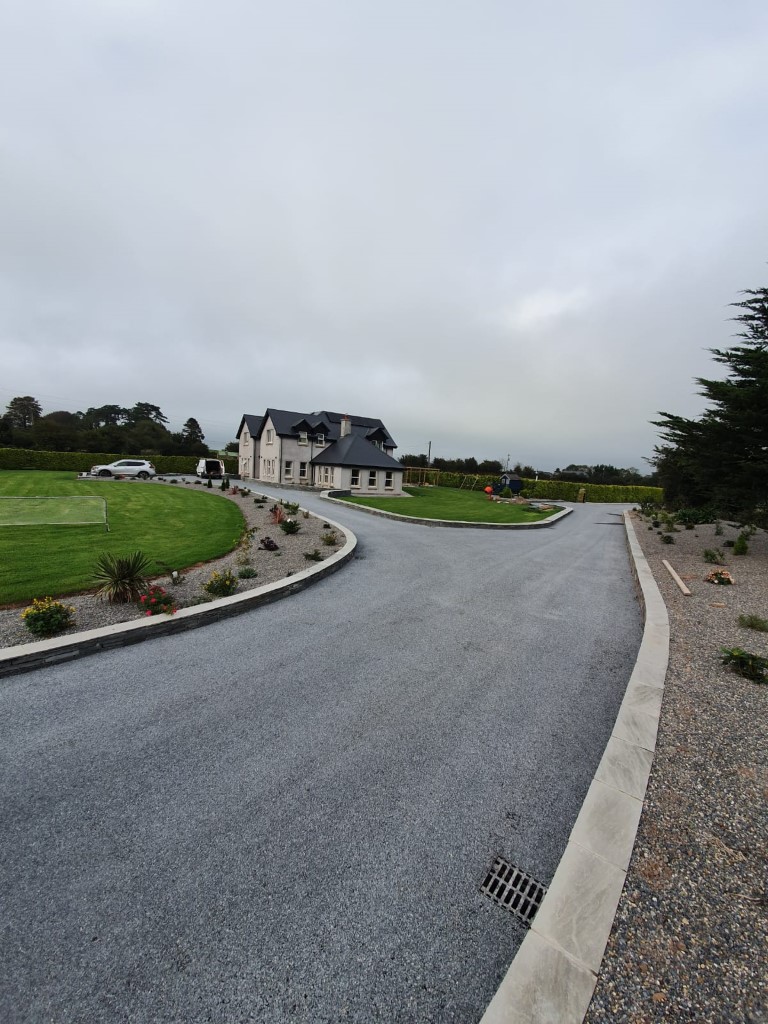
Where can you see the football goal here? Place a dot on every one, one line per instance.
(61, 510)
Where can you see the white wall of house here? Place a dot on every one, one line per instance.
(248, 455)
(270, 453)
(371, 481)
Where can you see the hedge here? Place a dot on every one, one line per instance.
(81, 462)
(563, 490)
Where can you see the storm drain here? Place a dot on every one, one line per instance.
(513, 889)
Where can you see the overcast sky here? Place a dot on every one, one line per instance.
(505, 228)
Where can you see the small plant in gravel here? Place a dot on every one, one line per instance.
(247, 572)
(314, 556)
(198, 483)
(740, 546)
(276, 514)
(667, 538)
(46, 617)
(718, 529)
(305, 513)
(329, 539)
(267, 544)
(728, 543)
(210, 483)
(221, 584)
(290, 526)
(156, 601)
(750, 666)
(720, 577)
(714, 556)
(121, 578)
(291, 507)
(754, 622)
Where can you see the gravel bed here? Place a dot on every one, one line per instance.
(690, 939)
(91, 612)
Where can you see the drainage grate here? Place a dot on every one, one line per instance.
(513, 889)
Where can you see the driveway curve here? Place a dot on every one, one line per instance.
(287, 815)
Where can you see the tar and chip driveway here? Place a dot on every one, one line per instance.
(287, 816)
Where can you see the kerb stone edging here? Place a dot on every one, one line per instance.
(25, 657)
(456, 523)
(552, 978)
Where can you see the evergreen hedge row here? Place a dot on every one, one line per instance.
(81, 462)
(564, 490)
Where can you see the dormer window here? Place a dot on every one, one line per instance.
(320, 441)
(303, 437)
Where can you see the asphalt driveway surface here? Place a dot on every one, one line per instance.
(287, 816)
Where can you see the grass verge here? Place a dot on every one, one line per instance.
(454, 505)
(175, 526)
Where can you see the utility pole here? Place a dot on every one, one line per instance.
(429, 455)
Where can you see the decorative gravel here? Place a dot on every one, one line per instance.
(92, 612)
(690, 939)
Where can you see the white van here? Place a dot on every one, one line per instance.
(210, 469)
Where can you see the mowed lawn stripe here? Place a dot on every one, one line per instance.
(453, 504)
(175, 526)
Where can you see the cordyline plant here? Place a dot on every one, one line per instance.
(121, 578)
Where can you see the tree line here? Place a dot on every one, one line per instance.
(139, 430)
(600, 474)
(720, 459)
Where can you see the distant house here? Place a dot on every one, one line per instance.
(319, 449)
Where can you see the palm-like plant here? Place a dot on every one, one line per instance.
(121, 578)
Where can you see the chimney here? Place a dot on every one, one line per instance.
(346, 426)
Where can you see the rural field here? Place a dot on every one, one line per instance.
(174, 526)
(453, 504)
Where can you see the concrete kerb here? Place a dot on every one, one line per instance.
(552, 978)
(25, 657)
(459, 524)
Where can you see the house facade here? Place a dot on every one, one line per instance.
(319, 449)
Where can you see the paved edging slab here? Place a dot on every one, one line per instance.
(25, 657)
(552, 978)
(456, 523)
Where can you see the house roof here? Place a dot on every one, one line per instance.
(353, 450)
(288, 424)
(252, 422)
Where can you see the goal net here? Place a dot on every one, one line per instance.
(61, 510)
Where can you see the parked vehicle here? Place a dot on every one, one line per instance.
(210, 469)
(126, 467)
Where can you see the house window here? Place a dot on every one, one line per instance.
(245, 437)
(326, 475)
(320, 440)
(355, 479)
(302, 471)
(302, 437)
(388, 483)
(270, 436)
(371, 477)
(289, 469)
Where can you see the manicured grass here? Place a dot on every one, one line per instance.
(453, 504)
(175, 526)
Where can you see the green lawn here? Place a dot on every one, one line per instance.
(175, 526)
(453, 504)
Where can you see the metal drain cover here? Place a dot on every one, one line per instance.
(513, 889)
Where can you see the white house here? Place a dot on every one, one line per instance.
(319, 449)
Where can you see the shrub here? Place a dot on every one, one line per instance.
(329, 539)
(267, 544)
(291, 507)
(729, 543)
(718, 529)
(276, 514)
(720, 577)
(714, 556)
(121, 578)
(506, 492)
(156, 601)
(313, 556)
(740, 546)
(290, 526)
(751, 666)
(667, 538)
(46, 617)
(210, 483)
(305, 513)
(247, 572)
(754, 622)
(221, 584)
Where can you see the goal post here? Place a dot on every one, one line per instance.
(58, 510)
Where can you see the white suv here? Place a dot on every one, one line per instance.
(126, 467)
